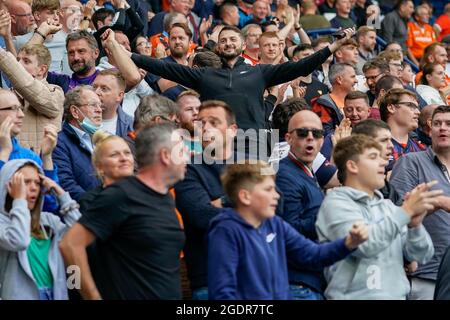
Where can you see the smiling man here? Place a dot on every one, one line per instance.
(400, 110)
(416, 168)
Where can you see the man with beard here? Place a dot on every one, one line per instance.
(22, 20)
(239, 85)
(367, 39)
(251, 34)
(179, 41)
(82, 50)
(189, 104)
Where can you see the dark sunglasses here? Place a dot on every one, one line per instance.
(304, 132)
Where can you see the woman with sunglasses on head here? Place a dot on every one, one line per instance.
(432, 82)
(112, 160)
(31, 266)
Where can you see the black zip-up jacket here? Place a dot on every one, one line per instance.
(242, 87)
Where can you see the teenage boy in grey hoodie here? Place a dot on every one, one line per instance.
(375, 269)
(31, 266)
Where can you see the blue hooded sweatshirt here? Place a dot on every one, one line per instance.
(251, 263)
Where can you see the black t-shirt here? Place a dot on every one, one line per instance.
(138, 243)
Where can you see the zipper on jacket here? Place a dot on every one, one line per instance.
(231, 79)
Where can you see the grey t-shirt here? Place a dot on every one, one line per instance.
(57, 48)
(408, 172)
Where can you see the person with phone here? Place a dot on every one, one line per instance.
(31, 265)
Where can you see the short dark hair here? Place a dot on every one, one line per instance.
(427, 69)
(324, 39)
(284, 111)
(209, 104)
(393, 96)
(207, 59)
(302, 47)
(82, 35)
(351, 148)
(379, 64)
(386, 82)
(232, 28)
(354, 95)
(370, 127)
(441, 109)
(100, 15)
(182, 26)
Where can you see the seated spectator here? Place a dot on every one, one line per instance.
(380, 132)
(395, 47)
(137, 236)
(260, 13)
(424, 129)
(367, 40)
(310, 19)
(189, 105)
(48, 33)
(421, 167)
(321, 72)
(432, 81)
(420, 34)
(118, 48)
(82, 50)
(399, 109)
(383, 85)
(434, 53)
(229, 14)
(29, 235)
(342, 19)
(205, 59)
(73, 152)
(393, 231)
(109, 85)
(248, 241)
(394, 26)
(329, 106)
(11, 123)
(43, 102)
(112, 160)
(328, 6)
(407, 75)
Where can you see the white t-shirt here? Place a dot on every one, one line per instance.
(110, 125)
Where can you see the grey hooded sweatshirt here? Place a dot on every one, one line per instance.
(16, 278)
(375, 270)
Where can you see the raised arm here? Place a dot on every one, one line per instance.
(42, 98)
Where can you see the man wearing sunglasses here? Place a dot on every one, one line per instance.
(302, 195)
(400, 110)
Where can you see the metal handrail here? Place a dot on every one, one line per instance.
(381, 43)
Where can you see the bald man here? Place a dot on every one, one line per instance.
(22, 20)
(301, 195)
(424, 130)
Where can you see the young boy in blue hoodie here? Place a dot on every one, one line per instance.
(248, 246)
(375, 270)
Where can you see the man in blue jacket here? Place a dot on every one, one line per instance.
(83, 116)
(302, 195)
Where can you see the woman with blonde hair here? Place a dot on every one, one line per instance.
(112, 159)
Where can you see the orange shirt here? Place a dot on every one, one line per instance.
(419, 37)
(444, 22)
(160, 38)
(180, 219)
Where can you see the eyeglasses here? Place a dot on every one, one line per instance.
(91, 105)
(397, 65)
(304, 132)
(13, 108)
(410, 105)
(373, 77)
(23, 14)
